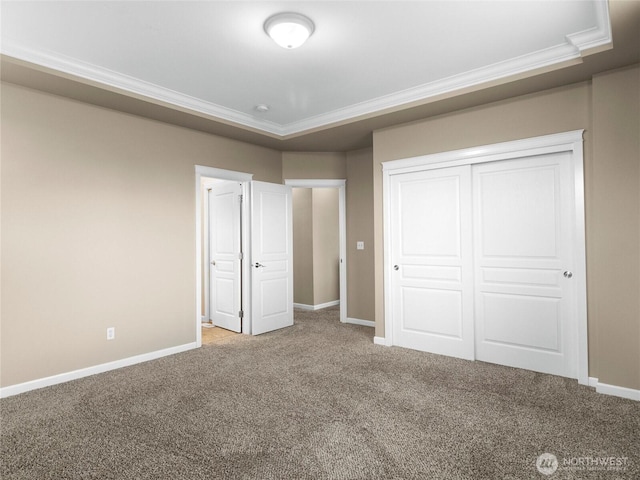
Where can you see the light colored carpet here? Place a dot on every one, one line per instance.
(315, 401)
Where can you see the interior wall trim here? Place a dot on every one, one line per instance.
(364, 323)
(320, 306)
(310, 183)
(616, 391)
(86, 372)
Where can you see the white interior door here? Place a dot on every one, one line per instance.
(432, 278)
(224, 255)
(522, 217)
(271, 257)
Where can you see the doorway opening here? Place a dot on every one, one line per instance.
(327, 254)
(222, 258)
(229, 306)
(253, 255)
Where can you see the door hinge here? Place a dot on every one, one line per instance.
(240, 197)
(241, 314)
(241, 256)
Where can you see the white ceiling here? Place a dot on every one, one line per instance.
(363, 58)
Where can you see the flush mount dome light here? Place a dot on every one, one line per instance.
(289, 30)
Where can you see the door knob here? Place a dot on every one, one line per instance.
(568, 274)
(396, 267)
(213, 262)
(258, 265)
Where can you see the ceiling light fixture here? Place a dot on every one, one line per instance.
(289, 30)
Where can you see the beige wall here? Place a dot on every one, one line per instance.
(609, 112)
(98, 231)
(302, 246)
(106, 237)
(326, 246)
(314, 165)
(614, 225)
(356, 167)
(316, 246)
(360, 263)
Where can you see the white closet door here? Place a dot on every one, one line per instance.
(524, 314)
(432, 278)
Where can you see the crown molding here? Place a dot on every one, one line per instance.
(122, 82)
(491, 73)
(595, 37)
(576, 45)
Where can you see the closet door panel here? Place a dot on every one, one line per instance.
(521, 250)
(432, 265)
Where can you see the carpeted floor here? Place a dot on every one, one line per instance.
(315, 401)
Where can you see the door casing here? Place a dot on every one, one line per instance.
(571, 142)
(342, 228)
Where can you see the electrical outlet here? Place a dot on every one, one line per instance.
(359, 245)
(111, 333)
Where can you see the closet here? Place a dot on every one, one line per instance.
(485, 254)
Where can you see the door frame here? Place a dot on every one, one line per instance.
(570, 142)
(244, 179)
(342, 229)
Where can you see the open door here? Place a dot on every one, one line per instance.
(225, 255)
(271, 257)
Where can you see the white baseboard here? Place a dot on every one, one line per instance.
(320, 306)
(303, 306)
(614, 390)
(357, 321)
(381, 341)
(85, 372)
